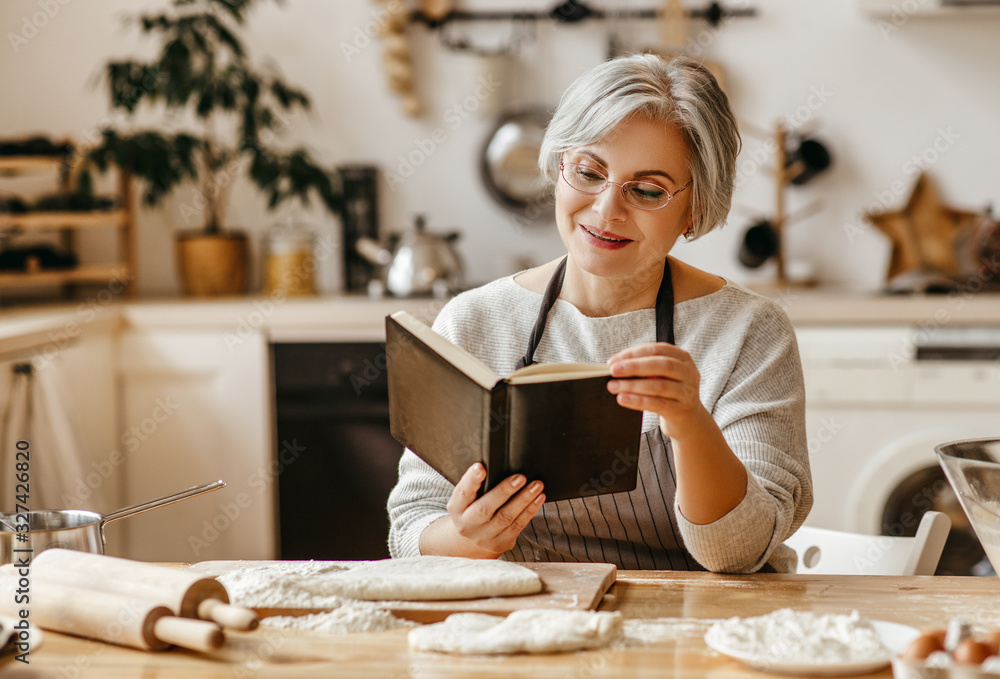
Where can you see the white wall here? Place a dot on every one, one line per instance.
(889, 95)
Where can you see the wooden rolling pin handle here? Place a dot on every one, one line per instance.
(197, 635)
(233, 617)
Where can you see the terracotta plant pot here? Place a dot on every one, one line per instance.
(212, 264)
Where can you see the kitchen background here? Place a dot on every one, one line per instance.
(167, 392)
(879, 92)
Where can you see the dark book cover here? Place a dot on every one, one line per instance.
(453, 411)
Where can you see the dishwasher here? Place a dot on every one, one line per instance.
(332, 410)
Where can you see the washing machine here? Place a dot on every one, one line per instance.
(878, 400)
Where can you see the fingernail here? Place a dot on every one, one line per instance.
(540, 499)
(613, 386)
(536, 486)
(480, 471)
(517, 481)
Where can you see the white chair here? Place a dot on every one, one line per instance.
(830, 552)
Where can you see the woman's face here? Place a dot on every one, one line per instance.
(603, 233)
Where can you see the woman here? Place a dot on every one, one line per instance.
(641, 152)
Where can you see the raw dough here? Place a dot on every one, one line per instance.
(322, 584)
(530, 630)
(426, 578)
(273, 584)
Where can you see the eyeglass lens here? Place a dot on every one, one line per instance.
(645, 195)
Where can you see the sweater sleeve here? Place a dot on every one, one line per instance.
(761, 413)
(418, 500)
(421, 494)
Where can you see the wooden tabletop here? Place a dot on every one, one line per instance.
(919, 601)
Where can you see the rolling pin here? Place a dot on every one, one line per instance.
(186, 594)
(108, 617)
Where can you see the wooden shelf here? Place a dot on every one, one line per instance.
(97, 219)
(65, 225)
(91, 273)
(13, 165)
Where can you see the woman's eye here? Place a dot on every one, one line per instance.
(589, 175)
(647, 192)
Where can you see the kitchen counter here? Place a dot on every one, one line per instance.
(337, 318)
(918, 601)
(809, 306)
(356, 318)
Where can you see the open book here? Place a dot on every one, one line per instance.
(555, 422)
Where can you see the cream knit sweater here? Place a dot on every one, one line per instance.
(751, 382)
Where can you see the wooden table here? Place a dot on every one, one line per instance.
(918, 601)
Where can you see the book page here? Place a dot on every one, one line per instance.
(552, 372)
(478, 371)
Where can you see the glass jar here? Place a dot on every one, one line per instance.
(290, 264)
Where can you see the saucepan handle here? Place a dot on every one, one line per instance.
(160, 502)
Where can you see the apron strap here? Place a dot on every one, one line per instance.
(548, 301)
(665, 307)
(664, 310)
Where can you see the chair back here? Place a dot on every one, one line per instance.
(828, 552)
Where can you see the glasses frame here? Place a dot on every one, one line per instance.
(621, 185)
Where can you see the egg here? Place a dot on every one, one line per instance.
(923, 646)
(938, 633)
(971, 652)
(992, 640)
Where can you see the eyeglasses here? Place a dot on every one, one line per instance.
(643, 195)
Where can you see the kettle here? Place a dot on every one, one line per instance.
(414, 263)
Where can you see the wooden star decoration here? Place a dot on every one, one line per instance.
(923, 233)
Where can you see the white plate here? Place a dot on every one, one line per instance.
(895, 636)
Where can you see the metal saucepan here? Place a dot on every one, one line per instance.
(75, 529)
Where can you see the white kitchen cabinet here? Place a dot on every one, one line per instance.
(194, 410)
(73, 407)
(87, 371)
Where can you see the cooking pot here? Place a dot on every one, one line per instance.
(73, 528)
(416, 262)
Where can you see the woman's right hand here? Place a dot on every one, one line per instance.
(492, 522)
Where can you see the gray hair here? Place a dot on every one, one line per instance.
(678, 91)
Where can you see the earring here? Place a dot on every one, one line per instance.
(689, 233)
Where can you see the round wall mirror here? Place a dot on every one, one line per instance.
(509, 164)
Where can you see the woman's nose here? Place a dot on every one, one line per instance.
(610, 203)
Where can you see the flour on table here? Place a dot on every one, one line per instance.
(800, 637)
(279, 585)
(645, 631)
(531, 630)
(351, 617)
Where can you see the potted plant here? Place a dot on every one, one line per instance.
(203, 71)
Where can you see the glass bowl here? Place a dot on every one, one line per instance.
(972, 467)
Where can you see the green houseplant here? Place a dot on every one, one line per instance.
(203, 74)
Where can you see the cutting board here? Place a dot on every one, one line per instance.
(564, 585)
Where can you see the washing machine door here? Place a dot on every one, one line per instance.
(902, 481)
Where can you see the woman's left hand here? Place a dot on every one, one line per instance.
(663, 379)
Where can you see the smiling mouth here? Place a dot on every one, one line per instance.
(601, 236)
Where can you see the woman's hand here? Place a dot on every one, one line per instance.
(662, 379)
(489, 526)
